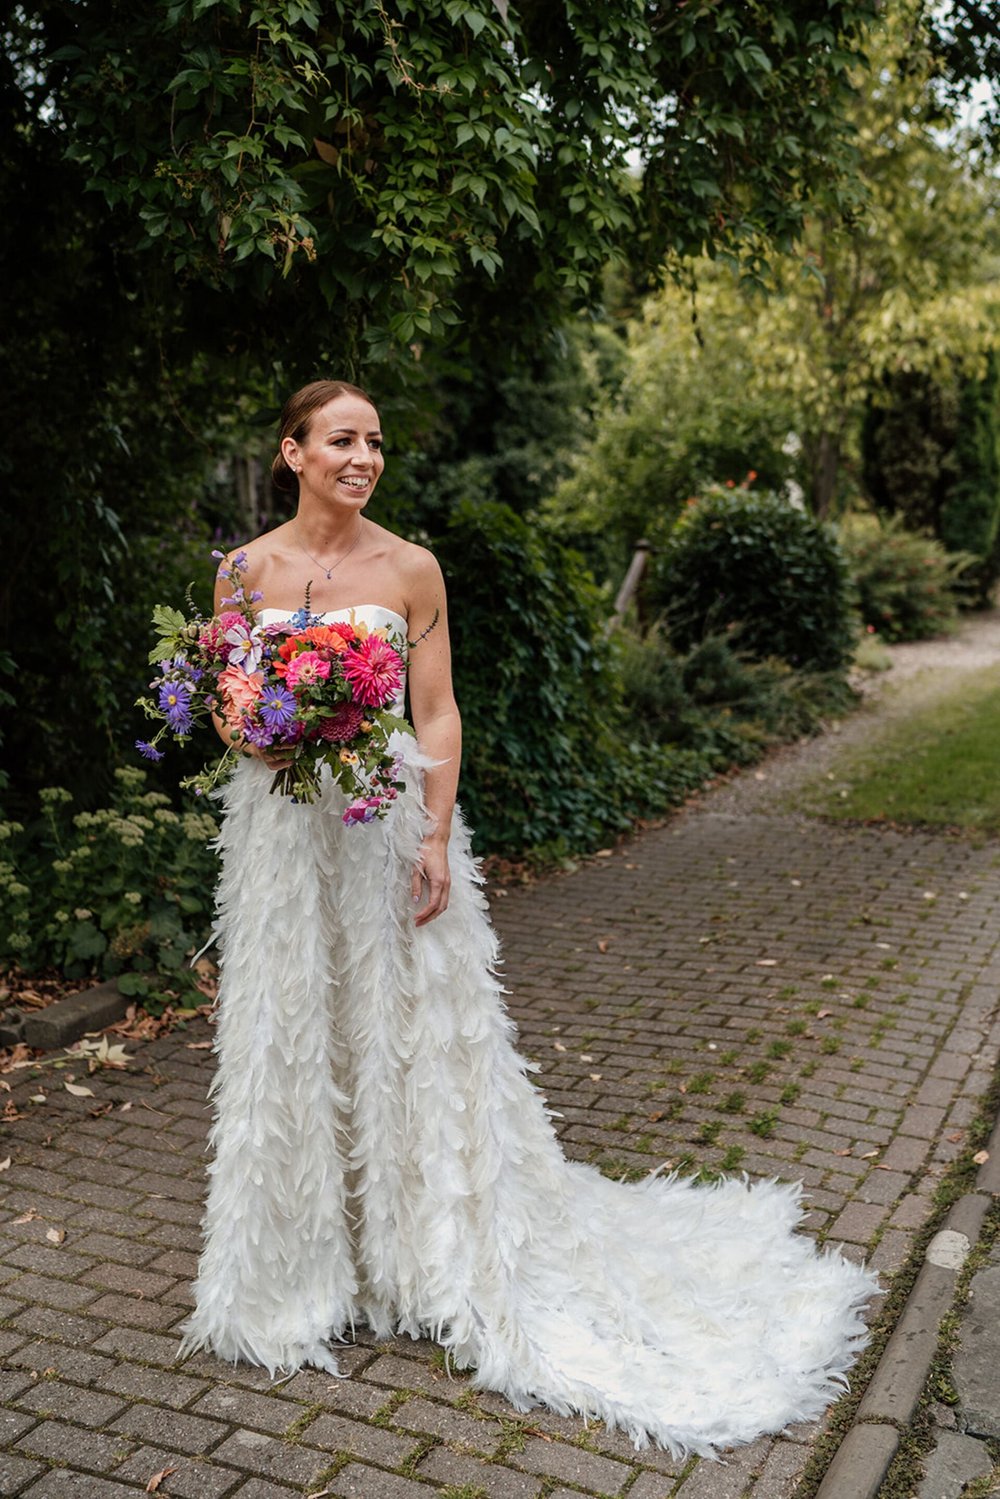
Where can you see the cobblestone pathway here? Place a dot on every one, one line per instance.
(752, 992)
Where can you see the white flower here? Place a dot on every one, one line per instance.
(247, 647)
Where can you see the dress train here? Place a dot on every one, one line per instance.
(382, 1156)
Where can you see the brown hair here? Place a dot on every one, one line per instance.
(296, 415)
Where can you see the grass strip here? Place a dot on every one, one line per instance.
(936, 767)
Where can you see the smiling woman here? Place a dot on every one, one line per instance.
(381, 1154)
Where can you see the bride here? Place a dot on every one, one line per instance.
(381, 1156)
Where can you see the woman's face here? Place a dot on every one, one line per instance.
(341, 457)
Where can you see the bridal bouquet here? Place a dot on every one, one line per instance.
(316, 692)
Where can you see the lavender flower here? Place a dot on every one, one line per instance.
(257, 733)
(149, 750)
(175, 701)
(277, 707)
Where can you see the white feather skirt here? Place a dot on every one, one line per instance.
(381, 1157)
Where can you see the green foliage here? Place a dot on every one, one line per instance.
(907, 447)
(393, 155)
(715, 702)
(551, 760)
(690, 412)
(931, 449)
(768, 575)
(124, 891)
(970, 515)
(906, 583)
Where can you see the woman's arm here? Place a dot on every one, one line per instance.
(437, 724)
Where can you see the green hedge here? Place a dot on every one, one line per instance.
(757, 569)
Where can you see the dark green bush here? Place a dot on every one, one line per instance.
(124, 891)
(970, 515)
(752, 567)
(715, 702)
(931, 457)
(551, 760)
(906, 583)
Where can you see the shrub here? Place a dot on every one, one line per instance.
(719, 704)
(769, 576)
(970, 515)
(905, 582)
(126, 891)
(552, 762)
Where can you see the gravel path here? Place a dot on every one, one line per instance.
(920, 672)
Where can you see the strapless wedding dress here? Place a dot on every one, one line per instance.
(382, 1157)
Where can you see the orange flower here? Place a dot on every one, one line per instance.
(330, 638)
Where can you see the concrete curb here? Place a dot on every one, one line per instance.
(863, 1457)
(66, 1020)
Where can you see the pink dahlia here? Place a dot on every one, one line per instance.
(373, 671)
(344, 722)
(305, 669)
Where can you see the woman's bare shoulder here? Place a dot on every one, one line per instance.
(260, 548)
(415, 564)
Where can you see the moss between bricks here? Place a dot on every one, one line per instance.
(915, 1441)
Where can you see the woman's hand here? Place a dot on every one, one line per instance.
(274, 759)
(431, 867)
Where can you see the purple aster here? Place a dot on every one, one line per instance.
(149, 750)
(277, 707)
(257, 733)
(175, 701)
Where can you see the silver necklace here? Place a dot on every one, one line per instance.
(330, 570)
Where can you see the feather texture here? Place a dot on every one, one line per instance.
(381, 1157)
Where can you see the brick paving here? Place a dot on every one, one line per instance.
(759, 993)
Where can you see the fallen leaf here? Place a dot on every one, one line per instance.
(584, 1057)
(101, 1053)
(157, 1479)
(595, 1077)
(27, 1217)
(124, 1108)
(981, 1157)
(5, 1164)
(604, 853)
(841, 1152)
(78, 1090)
(957, 1137)
(822, 1014)
(767, 962)
(55, 1235)
(869, 1155)
(602, 946)
(38, 1098)
(881, 1166)
(558, 1046)
(655, 1118)
(198, 1045)
(5, 1085)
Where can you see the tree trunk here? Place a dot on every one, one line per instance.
(825, 467)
